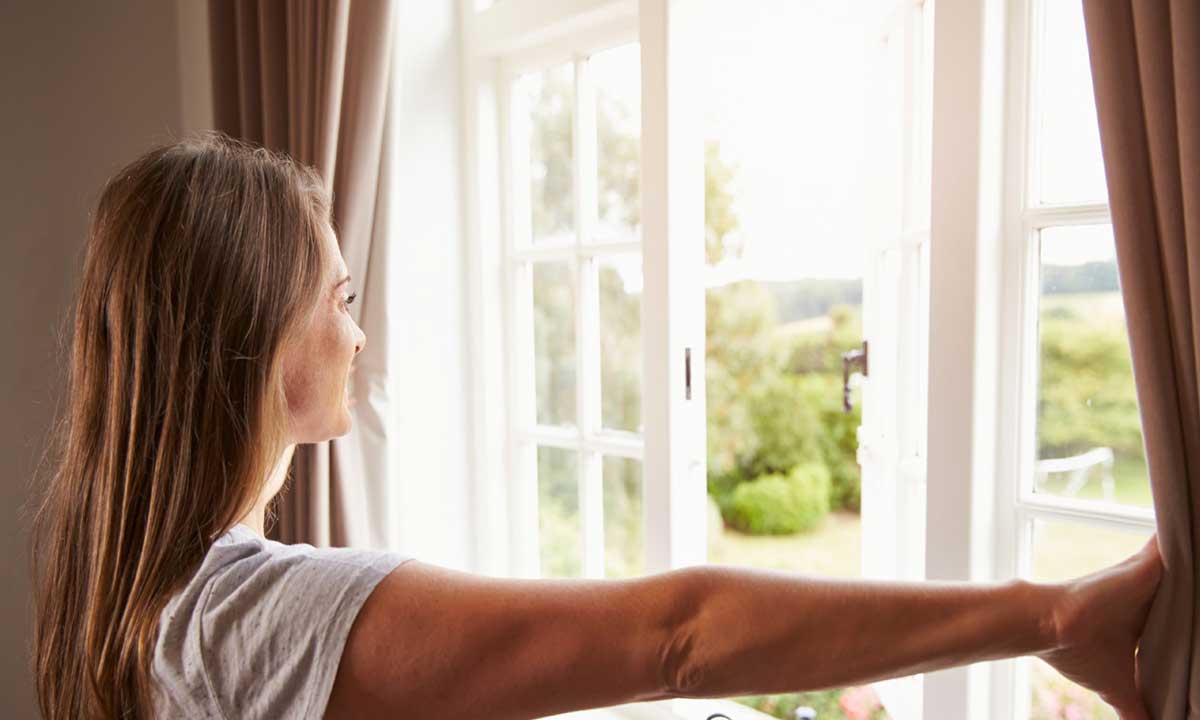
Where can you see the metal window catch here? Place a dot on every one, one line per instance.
(849, 360)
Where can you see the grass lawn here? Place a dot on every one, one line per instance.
(833, 548)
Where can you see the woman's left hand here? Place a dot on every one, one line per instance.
(1098, 622)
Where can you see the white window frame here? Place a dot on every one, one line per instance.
(672, 300)
(1017, 506)
(500, 43)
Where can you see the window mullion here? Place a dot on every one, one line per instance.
(518, 287)
(587, 324)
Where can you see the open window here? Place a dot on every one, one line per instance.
(1076, 494)
(649, 379)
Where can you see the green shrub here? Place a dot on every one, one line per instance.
(774, 396)
(1086, 394)
(786, 426)
(780, 504)
(837, 436)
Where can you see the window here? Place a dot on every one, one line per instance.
(583, 350)
(1078, 494)
(574, 268)
(588, 326)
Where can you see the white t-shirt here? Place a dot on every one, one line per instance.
(259, 629)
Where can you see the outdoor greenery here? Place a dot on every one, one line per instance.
(1085, 390)
(783, 479)
(782, 504)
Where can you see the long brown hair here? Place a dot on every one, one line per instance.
(203, 258)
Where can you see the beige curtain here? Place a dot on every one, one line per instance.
(1145, 57)
(311, 78)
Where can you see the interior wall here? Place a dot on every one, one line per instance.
(87, 87)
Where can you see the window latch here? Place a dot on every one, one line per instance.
(687, 373)
(850, 360)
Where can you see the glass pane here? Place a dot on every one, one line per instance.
(550, 97)
(1089, 434)
(624, 554)
(1061, 551)
(1071, 167)
(621, 342)
(554, 342)
(560, 538)
(616, 75)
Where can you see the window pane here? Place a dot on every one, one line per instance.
(621, 342)
(1089, 437)
(1061, 551)
(616, 74)
(1071, 168)
(554, 342)
(550, 98)
(560, 537)
(624, 554)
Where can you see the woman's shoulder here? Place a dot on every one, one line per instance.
(242, 564)
(259, 628)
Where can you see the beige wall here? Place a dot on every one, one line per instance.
(84, 87)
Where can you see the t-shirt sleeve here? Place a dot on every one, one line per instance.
(274, 625)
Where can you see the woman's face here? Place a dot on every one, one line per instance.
(317, 366)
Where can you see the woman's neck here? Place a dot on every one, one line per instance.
(256, 518)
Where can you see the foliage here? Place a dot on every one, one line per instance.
(739, 319)
(837, 436)
(559, 529)
(787, 426)
(805, 349)
(554, 343)
(782, 504)
(1086, 392)
(721, 239)
(774, 394)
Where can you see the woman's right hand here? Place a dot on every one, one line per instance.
(1098, 622)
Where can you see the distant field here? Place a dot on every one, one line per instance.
(1102, 308)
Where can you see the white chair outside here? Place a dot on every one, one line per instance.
(1078, 469)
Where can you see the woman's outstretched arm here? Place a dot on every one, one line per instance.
(793, 633)
(437, 643)
(850, 632)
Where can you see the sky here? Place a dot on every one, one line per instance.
(788, 104)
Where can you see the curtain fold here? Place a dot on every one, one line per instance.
(1145, 57)
(311, 78)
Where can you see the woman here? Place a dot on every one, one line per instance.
(211, 335)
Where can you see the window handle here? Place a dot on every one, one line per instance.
(849, 360)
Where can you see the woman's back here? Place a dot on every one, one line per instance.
(258, 631)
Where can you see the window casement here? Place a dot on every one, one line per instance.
(1059, 512)
(555, 278)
